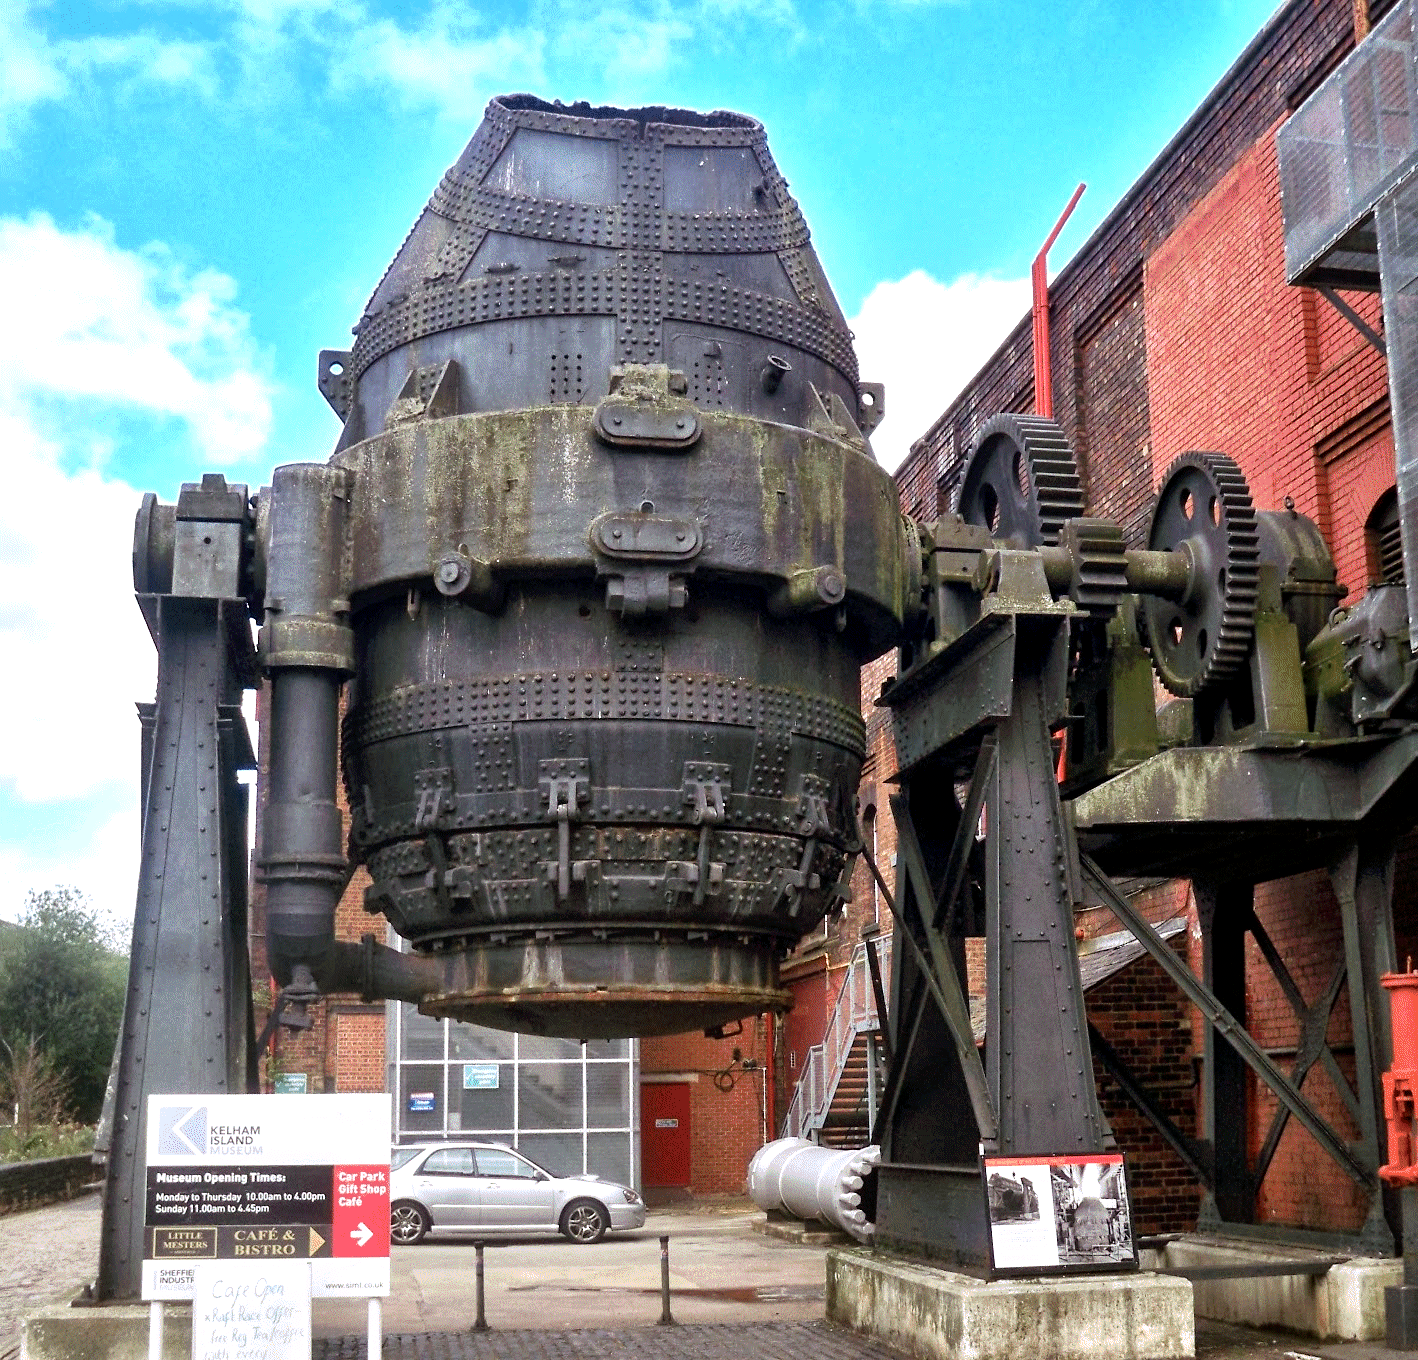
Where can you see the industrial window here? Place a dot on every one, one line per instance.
(1382, 541)
(568, 1106)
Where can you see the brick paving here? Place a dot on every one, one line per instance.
(722, 1341)
(45, 1254)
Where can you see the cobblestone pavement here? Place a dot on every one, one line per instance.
(45, 1255)
(723, 1341)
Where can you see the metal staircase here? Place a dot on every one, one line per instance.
(836, 1096)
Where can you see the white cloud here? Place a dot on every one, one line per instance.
(644, 39)
(451, 58)
(446, 63)
(37, 69)
(29, 74)
(97, 337)
(134, 329)
(925, 340)
(143, 56)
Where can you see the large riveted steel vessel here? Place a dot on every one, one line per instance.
(612, 547)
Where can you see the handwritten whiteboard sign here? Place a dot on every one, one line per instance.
(248, 1310)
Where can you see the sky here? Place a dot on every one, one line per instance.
(197, 197)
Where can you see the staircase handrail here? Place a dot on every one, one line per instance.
(853, 1012)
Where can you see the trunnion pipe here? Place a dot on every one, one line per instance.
(307, 649)
(836, 1186)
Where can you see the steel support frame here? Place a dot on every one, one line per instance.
(187, 1025)
(1034, 1094)
(1363, 884)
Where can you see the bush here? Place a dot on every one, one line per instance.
(45, 1140)
(62, 982)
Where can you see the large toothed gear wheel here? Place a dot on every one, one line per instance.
(1021, 482)
(1204, 509)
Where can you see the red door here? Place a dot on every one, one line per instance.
(664, 1133)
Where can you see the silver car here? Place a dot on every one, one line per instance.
(489, 1188)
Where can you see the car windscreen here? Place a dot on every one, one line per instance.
(402, 1156)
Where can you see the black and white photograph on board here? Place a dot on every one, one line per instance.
(1058, 1214)
(1092, 1220)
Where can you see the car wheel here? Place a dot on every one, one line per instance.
(407, 1223)
(584, 1221)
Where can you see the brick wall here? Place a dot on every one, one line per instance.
(726, 1126)
(1299, 414)
(1143, 1016)
(28, 1185)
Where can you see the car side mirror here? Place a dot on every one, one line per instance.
(542, 1176)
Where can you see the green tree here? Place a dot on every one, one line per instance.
(62, 982)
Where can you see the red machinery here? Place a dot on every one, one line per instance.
(1401, 1079)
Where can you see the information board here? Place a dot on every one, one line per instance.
(260, 1178)
(481, 1076)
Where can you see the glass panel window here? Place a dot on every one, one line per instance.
(608, 1155)
(484, 1109)
(607, 1095)
(549, 1096)
(421, 1098)
(527, 1091)
(473, 1043)
(539, 1047)
(560, 1153)
(423, 1037)
(607, 1048)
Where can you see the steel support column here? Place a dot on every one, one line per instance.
(187, 1024)
(1225, 912)
(1363, 884)
(1039, 1095)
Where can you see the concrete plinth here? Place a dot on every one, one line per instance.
(109, 1332)
(1345, 1303)
(929, 1312)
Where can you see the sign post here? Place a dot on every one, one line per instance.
(295, 1190)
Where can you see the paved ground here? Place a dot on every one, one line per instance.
(725, 1341)
(736, 1295)
(44, 1254)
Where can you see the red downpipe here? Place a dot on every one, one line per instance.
(1039, 275)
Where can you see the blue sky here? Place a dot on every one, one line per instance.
(195, 198)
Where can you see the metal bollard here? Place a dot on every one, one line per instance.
(481, 1324)
(665, 1319)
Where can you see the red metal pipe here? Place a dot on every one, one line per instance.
(1039, 276)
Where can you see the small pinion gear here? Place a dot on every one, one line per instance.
(1021, 481)
(1204, 509)
(1099, 556)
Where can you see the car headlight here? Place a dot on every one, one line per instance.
(631, 1196)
